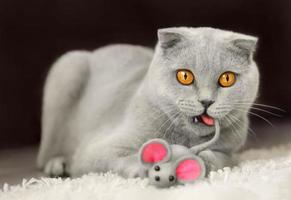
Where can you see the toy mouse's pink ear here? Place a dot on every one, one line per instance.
(189, 169)
(154, 151)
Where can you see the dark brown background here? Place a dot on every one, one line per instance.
(33, 33)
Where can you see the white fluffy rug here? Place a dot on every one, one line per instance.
(262, 174)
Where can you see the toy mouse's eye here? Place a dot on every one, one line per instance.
(157, 178)
(185, 77)
(157, 168)
(171, 178)
(227, 79)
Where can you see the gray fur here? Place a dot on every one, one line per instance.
(100, 107)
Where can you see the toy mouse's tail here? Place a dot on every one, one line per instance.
(203, 146)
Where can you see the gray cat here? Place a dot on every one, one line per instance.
(100, 107)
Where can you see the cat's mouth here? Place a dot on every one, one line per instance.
(204, 118)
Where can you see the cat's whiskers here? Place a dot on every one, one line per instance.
(159, 110)
(169, 128)
(257, 105)
(253, 104)
(263, 110)
(247, 106)
(161, 113)
(172, 132)
(253, 133)
(168, 120)
(254, 114)
(172, 125)
(237, 126)
(232, 126)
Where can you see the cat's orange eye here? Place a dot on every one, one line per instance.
(185, 77)
(227, 79)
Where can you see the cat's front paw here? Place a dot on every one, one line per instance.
(129, 167)
(133, 171)
(55, 167)
(212, 160)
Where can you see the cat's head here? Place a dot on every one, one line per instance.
(204, 74)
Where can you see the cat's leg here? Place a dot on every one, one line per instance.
(215, 160)
(63, 89)
(116, 153)
(228, 143)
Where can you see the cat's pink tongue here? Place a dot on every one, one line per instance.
(207, 120)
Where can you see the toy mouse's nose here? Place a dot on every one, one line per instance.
(171, 178)
(157, 168)
(157, 178)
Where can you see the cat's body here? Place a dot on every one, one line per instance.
(100, 107)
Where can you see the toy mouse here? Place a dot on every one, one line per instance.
(168, 165)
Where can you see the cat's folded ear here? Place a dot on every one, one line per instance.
(169, 37)
(245, 44)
